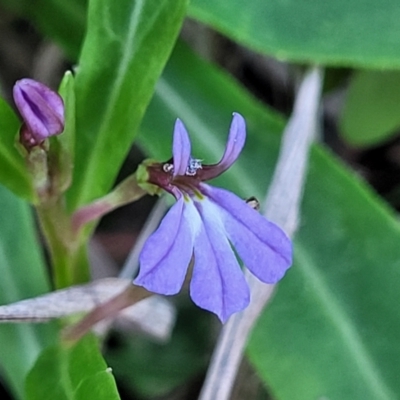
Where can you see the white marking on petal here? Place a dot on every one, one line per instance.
(192, 216)
(194, 165)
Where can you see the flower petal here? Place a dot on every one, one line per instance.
(235, 143)
(218, 284)
(263, 246)
(180, 148)
(234, 146)
(166, 255)
(41, 109)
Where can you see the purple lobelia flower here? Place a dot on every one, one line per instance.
(205, 223)
(42, 111)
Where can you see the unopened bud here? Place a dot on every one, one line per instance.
(42, 111)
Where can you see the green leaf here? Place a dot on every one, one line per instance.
(23, 275)
(352, 33)
(67, 92)
(371, 112)
(337, 309)
(70, 373)
(332, 329)
(13, 172)
(97, 387)
(310, 31)
(125, 50)
(62, 147)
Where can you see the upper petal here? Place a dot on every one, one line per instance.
(234, 146)
(263, 246)
(218, 284)
(235, 143)
(180, 148)
(167, 253)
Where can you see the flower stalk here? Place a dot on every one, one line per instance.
(37, 164)
(126, 192)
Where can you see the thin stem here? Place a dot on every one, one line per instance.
(282, 206)
(131, 295)
(126, 192)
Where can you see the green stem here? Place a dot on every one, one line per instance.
(70, 264)
(67, 236)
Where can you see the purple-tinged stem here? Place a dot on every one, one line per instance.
(126, 192)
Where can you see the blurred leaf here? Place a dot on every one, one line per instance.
(23, 275)
(71, 373)
(336, 310)
(64, 302)
(62, 21)
(355, 33)
(154, 316)
(371, 112)
(125, 50)
(13, 172)
(358, 33)
(97, 387)
(154, 369)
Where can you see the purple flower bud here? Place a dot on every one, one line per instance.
(42, 111)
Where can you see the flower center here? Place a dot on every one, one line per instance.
(191, 170)
(194, 165)
(162, 175)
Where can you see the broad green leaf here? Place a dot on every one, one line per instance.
(13, 172)
(23, 275)
(340, 32)
(333, 327)
(371, 112)
(68, 372)
(358, 33)
(125, 50)
(62, 21)
(337, 309)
